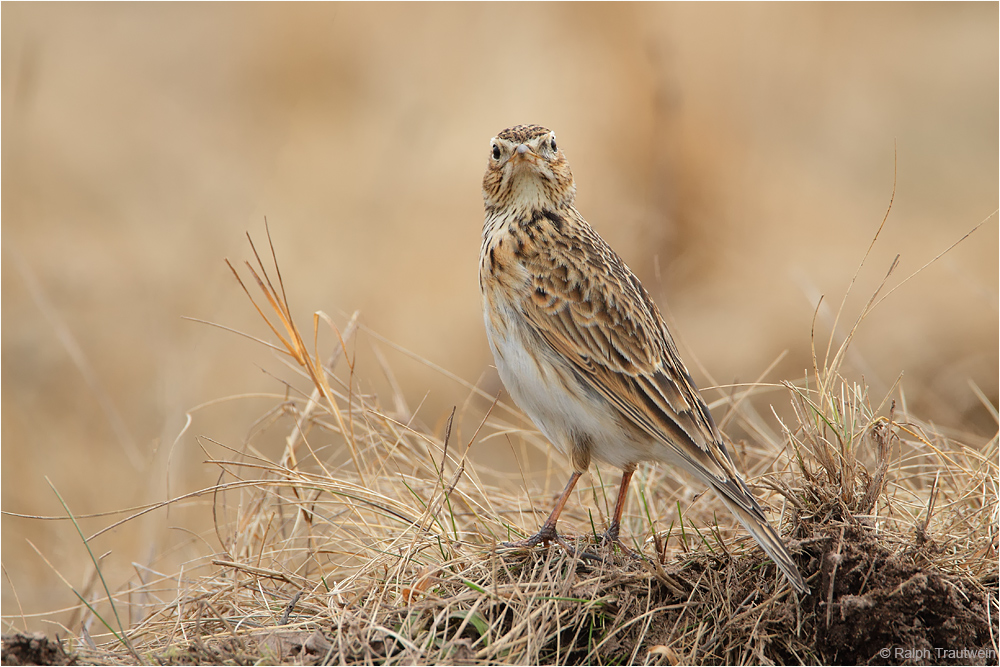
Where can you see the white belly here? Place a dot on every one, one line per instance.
(560, 407)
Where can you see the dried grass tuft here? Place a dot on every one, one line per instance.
(372, 540)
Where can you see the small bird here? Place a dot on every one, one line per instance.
(582, 348)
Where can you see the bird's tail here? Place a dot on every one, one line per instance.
(752, 517)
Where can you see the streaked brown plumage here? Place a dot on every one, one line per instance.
(582, 348)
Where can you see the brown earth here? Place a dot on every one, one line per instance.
(34, 649)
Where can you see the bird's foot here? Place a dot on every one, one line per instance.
(611, 539)
(546, 536)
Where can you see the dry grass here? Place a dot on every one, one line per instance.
(374, 540)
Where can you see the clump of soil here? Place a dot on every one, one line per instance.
(875, 606)
(34, 649)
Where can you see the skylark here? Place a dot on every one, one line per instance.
(583, 349)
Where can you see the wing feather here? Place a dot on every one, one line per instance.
(608, 328)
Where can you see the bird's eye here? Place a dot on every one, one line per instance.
(496, 152)
(552, 142)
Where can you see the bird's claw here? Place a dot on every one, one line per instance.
(610, 539)
(546, 536)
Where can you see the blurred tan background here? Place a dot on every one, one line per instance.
(739, 157)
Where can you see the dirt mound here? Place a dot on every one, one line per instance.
(35, 649)
(872, 605)
(869, 605)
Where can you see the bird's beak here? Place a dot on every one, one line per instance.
(524, 154)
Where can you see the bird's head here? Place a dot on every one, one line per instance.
(527, 171)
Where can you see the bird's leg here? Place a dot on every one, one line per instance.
(547, 533)
(611, 534)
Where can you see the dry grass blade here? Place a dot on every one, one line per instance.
(290, 338)
(861, 264)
